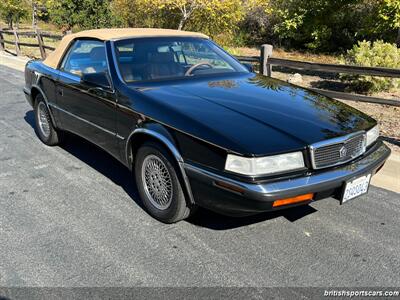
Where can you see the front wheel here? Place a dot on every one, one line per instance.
(158, 184)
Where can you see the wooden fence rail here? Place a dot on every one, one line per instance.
(32, 34)
(266, 62)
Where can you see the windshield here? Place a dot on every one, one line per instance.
(164, 58)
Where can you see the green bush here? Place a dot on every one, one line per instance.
(377, 54)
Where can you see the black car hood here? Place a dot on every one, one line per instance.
(251, 114)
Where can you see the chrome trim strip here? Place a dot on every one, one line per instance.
(173, 150)
(159, 36)
(83, 120)
(158, 136)
(338, 140)
(120, 137)
(119, 106)
(315, 182)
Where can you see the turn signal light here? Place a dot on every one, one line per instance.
(287, 201)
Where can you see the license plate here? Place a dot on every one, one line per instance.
(355, 188)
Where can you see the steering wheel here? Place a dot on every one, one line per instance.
(192, 68)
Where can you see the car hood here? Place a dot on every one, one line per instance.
(251, 114)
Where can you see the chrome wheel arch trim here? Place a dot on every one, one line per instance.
(172, 148)
(46, 101)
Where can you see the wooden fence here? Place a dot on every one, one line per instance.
(37, 34)
(266, 61)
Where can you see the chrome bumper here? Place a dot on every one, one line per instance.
(259, 196)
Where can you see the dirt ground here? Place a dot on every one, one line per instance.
(388, 118)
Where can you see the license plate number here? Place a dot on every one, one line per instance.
(355, 188)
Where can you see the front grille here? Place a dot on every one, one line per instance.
(337, 151)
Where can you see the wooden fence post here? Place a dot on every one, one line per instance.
(2, 47)
(16, 39)
(265, 67)
(40, 42)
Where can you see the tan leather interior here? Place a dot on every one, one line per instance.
(163, 65)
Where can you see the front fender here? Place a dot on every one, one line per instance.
(163, 135)
(155, 131)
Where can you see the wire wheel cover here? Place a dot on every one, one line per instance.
(43, 119)
(157, 182)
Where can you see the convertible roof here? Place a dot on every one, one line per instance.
(114, 33)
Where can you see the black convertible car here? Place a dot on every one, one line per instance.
(197, 127)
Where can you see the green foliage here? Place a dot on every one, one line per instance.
(12, 11)
(318, 25)
(211, 17)
(321, 25)
(377, 54)
(389, 13)
(84, 14)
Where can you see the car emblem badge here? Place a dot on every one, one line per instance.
(343, 152)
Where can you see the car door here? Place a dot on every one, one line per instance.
(87, 110)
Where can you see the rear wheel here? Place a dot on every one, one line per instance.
(45, 129)
(159, 185)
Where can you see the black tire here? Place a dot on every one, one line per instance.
(178, 208)
(52, 137)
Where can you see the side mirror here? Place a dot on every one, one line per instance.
(249, 67)
(94, 80)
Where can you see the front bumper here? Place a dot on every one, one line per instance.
(246, 198)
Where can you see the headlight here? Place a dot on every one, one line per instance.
(264, 165)
(372, 135)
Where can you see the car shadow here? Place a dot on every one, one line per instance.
(97, 159)
(108, 166)
(211, 220)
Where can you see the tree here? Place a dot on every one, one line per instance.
(84, 14)
(216, 17)
(209, 16)
(389, 16)
(322, 25)
(136, 13)
(38, 11)
(186, 8)
(12, 11)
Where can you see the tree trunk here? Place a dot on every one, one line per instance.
(181, 24)
(398, 38)
(34, 15)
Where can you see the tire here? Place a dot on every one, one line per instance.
(161, 192)
(44, 128)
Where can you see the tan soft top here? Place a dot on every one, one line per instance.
(114, 33)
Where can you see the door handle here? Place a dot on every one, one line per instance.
(100, 89)
(61, 92)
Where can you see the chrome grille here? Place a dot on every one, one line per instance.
(337, 151)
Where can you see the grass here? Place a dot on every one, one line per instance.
(32, 52)
(281, 53)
